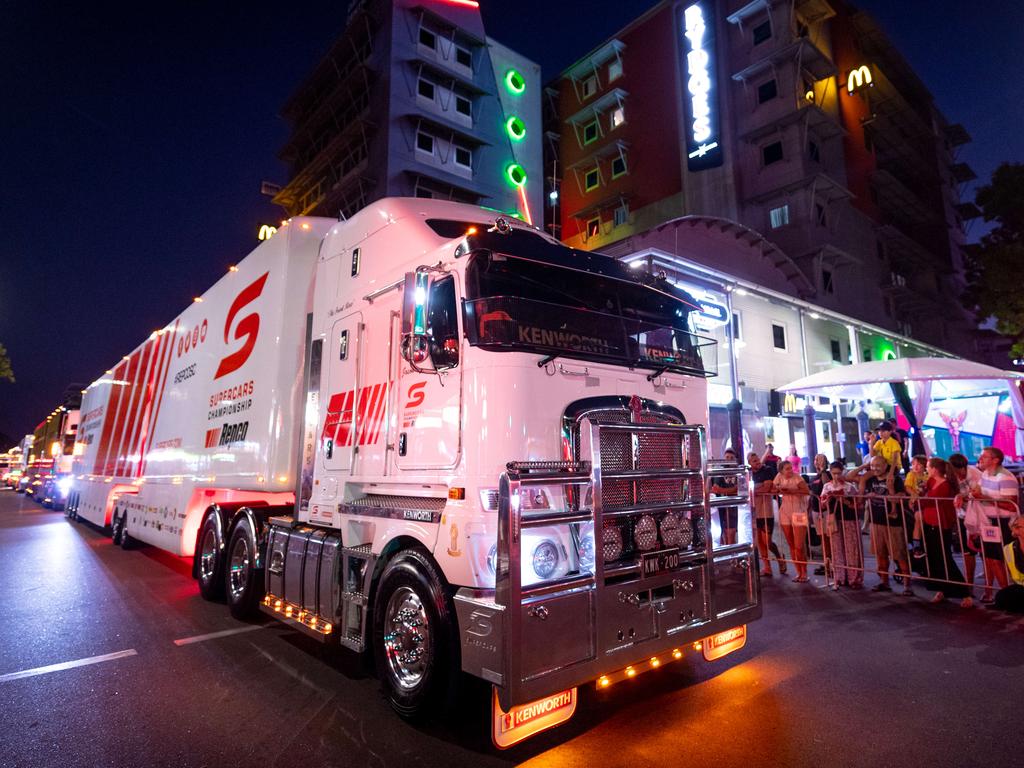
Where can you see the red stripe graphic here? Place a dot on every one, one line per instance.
(117, 441)
(366, 424)
(147, 407)
(382, 409)
(113, 401)
(334, 408)
(345, 420)
(162, 379)
(364, 400)
(133, 411)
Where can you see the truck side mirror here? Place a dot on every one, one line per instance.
(414, 319)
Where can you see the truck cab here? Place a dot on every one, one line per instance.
(503, 466)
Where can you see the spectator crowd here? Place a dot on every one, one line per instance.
(929, 522)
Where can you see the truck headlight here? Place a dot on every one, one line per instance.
(546, 558)
(64, 486)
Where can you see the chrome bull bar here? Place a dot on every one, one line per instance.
(536, 639)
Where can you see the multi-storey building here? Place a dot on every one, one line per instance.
(413, 99)
(782, 159)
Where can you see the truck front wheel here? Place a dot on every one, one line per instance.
(413, 636)
(243, 580)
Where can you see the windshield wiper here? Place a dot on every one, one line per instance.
(545, 360)
(658, 372)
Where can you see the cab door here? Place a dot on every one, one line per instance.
(338, 437)
(429, 423)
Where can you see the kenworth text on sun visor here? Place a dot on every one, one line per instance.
(401, 432)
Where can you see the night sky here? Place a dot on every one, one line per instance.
(133, 140)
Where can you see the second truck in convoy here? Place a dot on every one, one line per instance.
(435, 433)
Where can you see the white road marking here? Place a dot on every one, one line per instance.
(67, 665)
(215, 635)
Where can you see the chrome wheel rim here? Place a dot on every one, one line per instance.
(208, 555)
(406, 638)
(239, 576)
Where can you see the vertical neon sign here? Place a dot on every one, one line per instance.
(703, 147)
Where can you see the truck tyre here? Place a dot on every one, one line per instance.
(127, 542)
(116, 528)
(243, 582)
(210, 559)
(413, 638)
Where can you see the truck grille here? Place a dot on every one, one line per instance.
(645, 514)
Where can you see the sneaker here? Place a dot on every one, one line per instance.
(907, 592)
(917, 553)
(782, 565)
(938, 597)
(881, 587)
(835, 587)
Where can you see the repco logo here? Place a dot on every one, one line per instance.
(246, 330)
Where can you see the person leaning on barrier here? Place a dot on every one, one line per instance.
(843, 528)
(938, 520)
(728, 517)
(762, 477)
(793, 516)
(1011, 598)
(888, 520)
(995, 503)
(967, 477)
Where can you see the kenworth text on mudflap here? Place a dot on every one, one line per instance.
(400, 432)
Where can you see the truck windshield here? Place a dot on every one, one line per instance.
(522, 304)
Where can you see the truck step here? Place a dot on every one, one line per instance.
(352, 641)
(355, 598)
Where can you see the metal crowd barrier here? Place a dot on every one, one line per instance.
(835, 542)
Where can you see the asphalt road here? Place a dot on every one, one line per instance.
(847, 679)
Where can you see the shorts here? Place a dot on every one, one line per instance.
(993, 550)
(889, 542)
(766, 524)
(728, 517)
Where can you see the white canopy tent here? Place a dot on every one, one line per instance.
(927, 379)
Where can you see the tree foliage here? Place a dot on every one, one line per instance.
(6, 372)
(996, 263)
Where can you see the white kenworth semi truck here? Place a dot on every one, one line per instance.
(436, 433)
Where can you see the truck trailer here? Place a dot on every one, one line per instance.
(436, 434)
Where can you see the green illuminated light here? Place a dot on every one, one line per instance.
(516, 128)
(516, 174)
(514, 81)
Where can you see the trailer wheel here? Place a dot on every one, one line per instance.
(210, 559)
(413, 642)
(117, 524)
(242, 579)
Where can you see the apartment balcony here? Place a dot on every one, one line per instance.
(898, 200)
(802, 53)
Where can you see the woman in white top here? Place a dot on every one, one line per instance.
(793, 515)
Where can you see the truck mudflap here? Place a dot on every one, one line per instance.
(611, 615)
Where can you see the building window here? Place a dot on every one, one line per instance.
(594, 227)
(425, 142)
(425, 88)
(463, 106)
(621, 216)
(589, 87)
(618, 167)
(737, 325)
(813, 152)
(615, 70)
(762, 32)
(827, 285)
(819, 214)
(837, 350)
(779, 336)
(463, 57)
(618, 117)
(590, 132)
(771, 153)
(592, 179)
(767, 91)
(463, 157)
(779, 217)
(428, 38)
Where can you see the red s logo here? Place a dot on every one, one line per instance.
(416, 395)
(248, 327)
